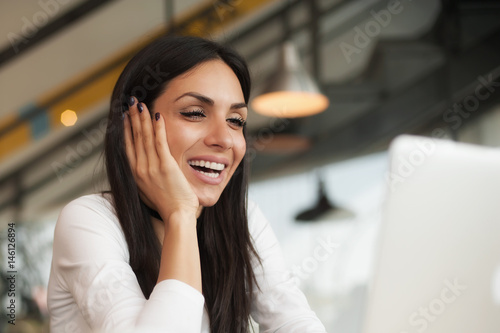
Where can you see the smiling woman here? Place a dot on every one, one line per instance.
(174, 246)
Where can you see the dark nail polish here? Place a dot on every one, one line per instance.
(131, 101)
(157, 116)
(140, 107)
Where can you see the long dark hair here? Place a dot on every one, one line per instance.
(226, 249)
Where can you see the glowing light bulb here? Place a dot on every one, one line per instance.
(68, 118)
(291, 92)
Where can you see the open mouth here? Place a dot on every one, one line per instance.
(210, 169)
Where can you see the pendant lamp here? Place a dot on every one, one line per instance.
(291, 92)
(324, 209)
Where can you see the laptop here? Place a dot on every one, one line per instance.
(437, 266)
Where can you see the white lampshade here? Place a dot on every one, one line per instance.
(291, 93)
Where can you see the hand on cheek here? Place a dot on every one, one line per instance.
(161, 182)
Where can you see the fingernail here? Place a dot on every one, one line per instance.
(157, 116)
(131, 101)
(140, 107)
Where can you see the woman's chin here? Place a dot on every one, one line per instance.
(207, 201)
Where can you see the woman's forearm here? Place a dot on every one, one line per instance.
(180, 258)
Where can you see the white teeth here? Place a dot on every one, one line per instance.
(210, 174)
(210, 165)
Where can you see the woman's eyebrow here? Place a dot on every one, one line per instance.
(239, 105)
(201, 98)
(207, 100)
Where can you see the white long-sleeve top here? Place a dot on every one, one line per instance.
(92, 287)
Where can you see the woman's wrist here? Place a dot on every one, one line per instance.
(179, 218)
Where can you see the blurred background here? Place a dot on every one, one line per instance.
(424, 67)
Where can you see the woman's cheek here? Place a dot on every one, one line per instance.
(241, 147)
(176, 141)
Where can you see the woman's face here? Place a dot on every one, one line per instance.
(204, 110)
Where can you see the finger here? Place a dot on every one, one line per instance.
(140, 153)
(148, 135)
(161, 142)
(129, 141)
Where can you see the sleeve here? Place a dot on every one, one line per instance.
(279, 305)
(90, 261)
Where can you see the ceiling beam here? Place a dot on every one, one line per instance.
(25, 43)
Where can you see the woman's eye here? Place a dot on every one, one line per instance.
(195, 114)
(239, 122)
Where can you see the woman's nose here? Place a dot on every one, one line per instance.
(219, 135)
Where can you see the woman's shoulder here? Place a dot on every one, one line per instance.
(90, 211)
(257, 222)
(87, 232)
(93, 201)
(98, 203)
(252, 209)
